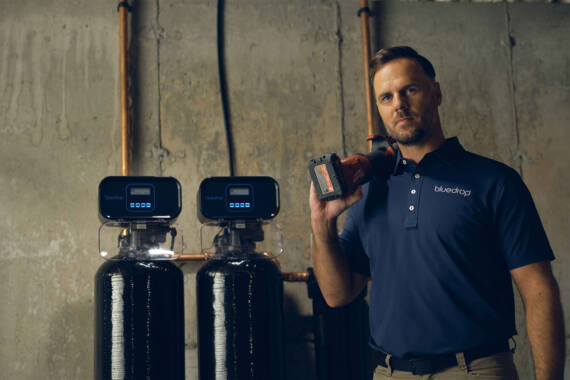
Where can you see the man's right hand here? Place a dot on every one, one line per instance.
(324, 214)
(338, 284)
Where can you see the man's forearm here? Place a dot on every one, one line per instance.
(545, 327)
(330, 264)
(332, 269)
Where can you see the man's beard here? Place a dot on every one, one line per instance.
(403, 137)
(408, 139)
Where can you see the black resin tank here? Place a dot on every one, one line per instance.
(139, 321)
(240, 318)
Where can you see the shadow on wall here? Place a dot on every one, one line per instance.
(376, 23)
(376, 26)
(136, 85)
(144, 118)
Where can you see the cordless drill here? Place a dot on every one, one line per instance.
(335, 178)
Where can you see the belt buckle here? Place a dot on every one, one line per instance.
(420, 366)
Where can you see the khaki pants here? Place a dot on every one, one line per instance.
(495, 367)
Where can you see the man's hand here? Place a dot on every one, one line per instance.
(324, 214)
(544, 319)
(338, 284)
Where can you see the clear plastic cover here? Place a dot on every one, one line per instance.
(208, 233)
(271, 245)
(149, 240)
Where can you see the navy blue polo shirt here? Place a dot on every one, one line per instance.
(439, 239)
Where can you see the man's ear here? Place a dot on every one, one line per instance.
(438, 95)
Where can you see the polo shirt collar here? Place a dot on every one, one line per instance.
(449, 152)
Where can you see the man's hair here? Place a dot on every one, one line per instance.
(386, 55)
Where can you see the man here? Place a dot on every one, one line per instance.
(441, 238)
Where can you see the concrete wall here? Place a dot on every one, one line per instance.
(295, 84)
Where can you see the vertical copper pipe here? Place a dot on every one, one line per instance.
(364, 13)
(125, 133)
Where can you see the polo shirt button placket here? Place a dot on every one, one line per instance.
(411, 220)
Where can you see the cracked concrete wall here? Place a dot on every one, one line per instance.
(59, 111)
(295, 86)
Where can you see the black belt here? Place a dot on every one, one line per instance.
(436, 363)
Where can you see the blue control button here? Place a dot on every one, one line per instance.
(242, 205)
(132, 205)
(137, 205)
(247, 205)
(232, 205)
(148, 205)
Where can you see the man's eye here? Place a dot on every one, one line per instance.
(385, 98)
(411, 90)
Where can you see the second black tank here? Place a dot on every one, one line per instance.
(240, 318)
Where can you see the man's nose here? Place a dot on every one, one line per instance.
(400, 102)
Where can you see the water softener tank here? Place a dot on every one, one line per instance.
(239, 291)
(139, 301)
(240, 322)
(139, 320)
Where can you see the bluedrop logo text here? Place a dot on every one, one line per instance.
(452, 190)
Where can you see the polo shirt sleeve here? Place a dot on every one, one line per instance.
(521, 236)
(350, 242)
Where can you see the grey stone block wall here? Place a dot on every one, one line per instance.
(296, 90)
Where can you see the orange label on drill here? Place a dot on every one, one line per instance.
(325, 182)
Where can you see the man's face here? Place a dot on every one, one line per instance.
(407, 100)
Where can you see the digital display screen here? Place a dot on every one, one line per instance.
(139, 190)
(239, 190)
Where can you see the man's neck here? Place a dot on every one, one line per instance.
(416, 152)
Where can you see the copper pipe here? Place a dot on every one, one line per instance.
(288, 276)
(192, 257)
(125, 133)
(199, 257)
(363, 13)
(295, 276)
(273, 258)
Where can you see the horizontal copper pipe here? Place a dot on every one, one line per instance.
(191, 257)
(286, 276)
(295, 276)
(273, 258)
